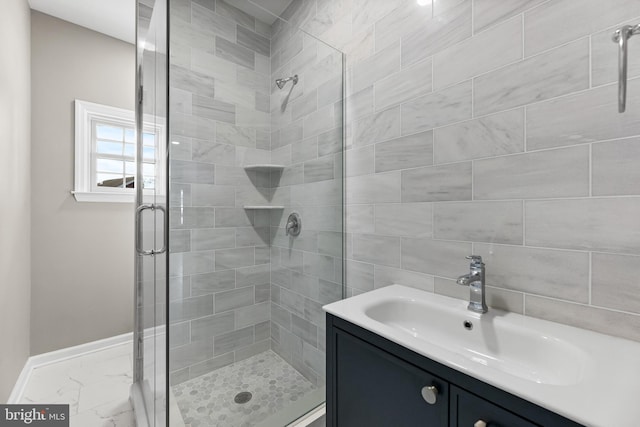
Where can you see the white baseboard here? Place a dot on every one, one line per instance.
(44, 359)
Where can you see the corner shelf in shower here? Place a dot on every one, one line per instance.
(264, 167)
(267, 208)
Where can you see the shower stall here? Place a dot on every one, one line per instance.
(240, 240)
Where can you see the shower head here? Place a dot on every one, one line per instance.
(281, 82)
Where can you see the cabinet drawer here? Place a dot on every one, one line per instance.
(377, 389)
(467, 410)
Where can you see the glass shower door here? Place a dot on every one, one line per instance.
(149, 389)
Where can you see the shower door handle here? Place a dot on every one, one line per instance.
(153, 208)
(621, 36)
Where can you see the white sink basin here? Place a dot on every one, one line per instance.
(591, 378)
(506, 346)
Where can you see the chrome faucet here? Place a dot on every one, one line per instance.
(475, 281)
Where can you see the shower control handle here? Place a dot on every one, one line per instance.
(294, 225)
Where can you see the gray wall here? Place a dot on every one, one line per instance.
(306, 271)
(82, 263)
(15, 209)
(219, 260)
(491, 127)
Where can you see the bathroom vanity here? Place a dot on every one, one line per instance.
(398, 356)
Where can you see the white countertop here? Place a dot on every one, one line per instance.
(597, 380)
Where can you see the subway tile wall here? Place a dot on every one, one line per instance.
(491, 127)
(220, 310)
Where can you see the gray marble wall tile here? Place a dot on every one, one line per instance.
(405, 152)
(253, 314)
(252, 236)
(607, 224)
(490, 12)
(320, 121)
(292, 301)
(186, 37)
(191, 81)
(203, 20)
(190, 354)
(494, 135)
(210, 365)
(280, 316)
(437, 183)
(234, 258)
(378, 188)
(305, 104)
(386, 276)
(586, 317)
(235, 135)
(180, 195)
(209, 283)
(262, 293)
(495, 222)
(367, 12)
(360, 104)
(262, 102)
(547, 272)
(236, 94)
(435, 257)
(405, 19)
(255, 275)
(360, 275)
(330, 243)
(213, 152)
(586, 17)
(615, 167)
(212, 238)
(233, 217)
(585, 117)
(329, 292)
(235, 53)
(614, 282)
(193, 126)
(306, 149)
(254, 80)
(319, 170)
(448, 29)
(604, 60)
(253, 41)
(212, 66)
(232, 340)
(376, 249)
(360, 218)
(360, 161)
(210, 326)
(191, 308)
(305, 330)
(236, 15)
(440, 108)
(548, 75)
(377, 127)
(377, 67)
(181, 100)
(411, 82)
(183, 218)
(544, 174)
(322, 266)
(404, 219)
(230, 300)
(491, 49)
(179, 334)
(180, 240)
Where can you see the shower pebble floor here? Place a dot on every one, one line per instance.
(208, 400)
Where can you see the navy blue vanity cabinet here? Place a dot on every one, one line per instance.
(374, 382)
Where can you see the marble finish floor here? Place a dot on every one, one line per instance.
(208, 400)
(95, 385)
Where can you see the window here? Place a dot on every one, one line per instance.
(105, 150)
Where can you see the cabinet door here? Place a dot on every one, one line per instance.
(469, 410)
(376, 389)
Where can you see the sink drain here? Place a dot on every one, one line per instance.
(242, 397)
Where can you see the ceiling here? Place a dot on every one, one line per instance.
(116, 18)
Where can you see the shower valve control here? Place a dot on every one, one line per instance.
(294, 224)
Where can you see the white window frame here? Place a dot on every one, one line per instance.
(85, 115)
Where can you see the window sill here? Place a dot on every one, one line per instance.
(82, 196)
